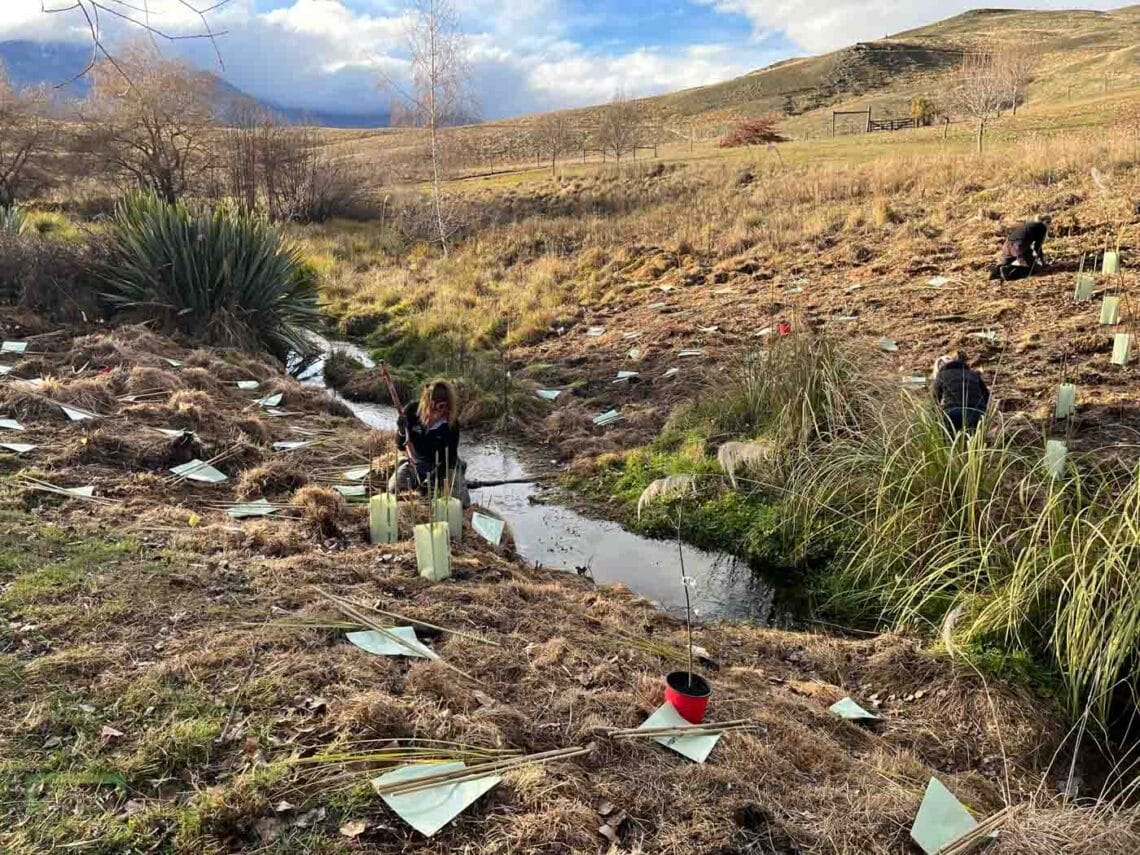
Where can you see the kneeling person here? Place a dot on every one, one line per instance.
(960, 392)
(430, 427)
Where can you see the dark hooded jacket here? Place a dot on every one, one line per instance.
(437, 449)
(958, 386)
(1026, 243)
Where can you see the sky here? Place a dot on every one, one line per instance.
(526, 55)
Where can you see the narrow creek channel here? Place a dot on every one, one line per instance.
(554, 536)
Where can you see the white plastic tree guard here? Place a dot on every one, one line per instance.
(433, 551)
(450, 512)
(383, 518)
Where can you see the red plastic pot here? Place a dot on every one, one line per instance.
(689, 695)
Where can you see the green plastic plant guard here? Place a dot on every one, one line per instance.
(173, 363)
(941, 819)
(1086, 283)
(379, 644)
(81, 492)
(449, 511)
(14, 347)
(260, 508)
(888, 345)
(488, 528)
(174, 433)
(383, 519)
(672, 372)
(695, 748)
(850, 710)
(1110, 312)
(1121, 348)
(351, 491)
(607, 418)
(433, 551)
(248, 385)
(1111, 264)
(548, 394)
(1066, 401)
(199, 470)
(429, 810)
(358, 474)
(10, 424)
(271, 400)
(595, 332)
(6, 369)
(17, 447)
(685, 354)
(293, 445)
(623, 376)
(1056, 452)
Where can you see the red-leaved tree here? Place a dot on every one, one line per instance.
(752, 132)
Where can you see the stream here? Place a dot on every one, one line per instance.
(554, 536)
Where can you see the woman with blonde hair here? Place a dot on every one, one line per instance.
(428, 431)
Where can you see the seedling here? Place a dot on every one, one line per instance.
(449, 511)
(1056, 453)
(1086, 283)
(1121, 348)
(1066, 401)
(383, 519)
(1110, 312)
(433, 551)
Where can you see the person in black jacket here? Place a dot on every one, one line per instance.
(1023, 252)
(428, 433)
(960, 392)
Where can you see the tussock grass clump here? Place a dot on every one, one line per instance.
(970, 535)
(225, 277)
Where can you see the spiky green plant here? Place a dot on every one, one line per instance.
(13, 220)
(224, 277)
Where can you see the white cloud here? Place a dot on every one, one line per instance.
(823, 25)
(329, 54)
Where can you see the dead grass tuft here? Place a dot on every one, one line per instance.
(321, 508)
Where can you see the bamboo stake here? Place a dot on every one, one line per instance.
(724, 725)
(979, 833)
(350, 611)
(427, 625)
(472, 772)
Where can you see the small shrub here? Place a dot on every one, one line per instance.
(226, 278)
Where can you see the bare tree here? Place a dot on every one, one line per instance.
(554, 135)
(439, 94)
(26, 141)
(153, 129)
(980, 90)
(619, 130)
(1015, 64)
(136, 13)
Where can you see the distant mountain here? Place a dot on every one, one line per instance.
(55, 64)
(46, 63)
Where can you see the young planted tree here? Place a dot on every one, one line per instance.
(152, 128)
(554, 135)
(26, 141)
(980, 90)
(619, 130)
(439, 95)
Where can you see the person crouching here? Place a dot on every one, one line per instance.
(428, 433)
(960, 392)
